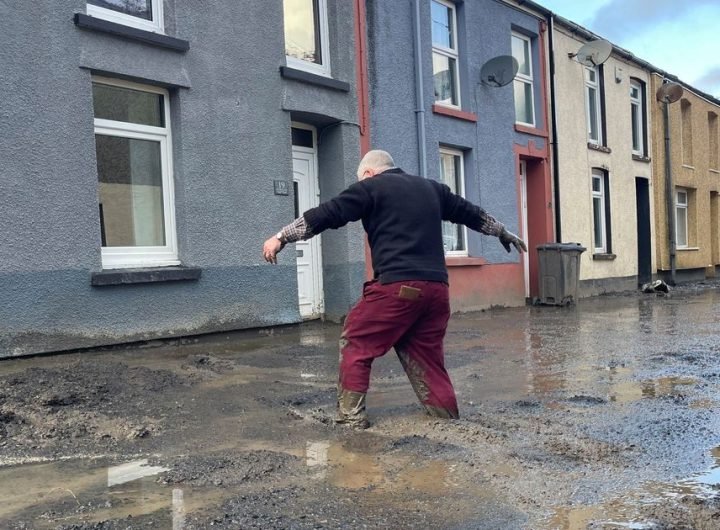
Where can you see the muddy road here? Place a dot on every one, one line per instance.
(601, 416)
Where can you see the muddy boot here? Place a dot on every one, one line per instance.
(351, 410)
(439, 412)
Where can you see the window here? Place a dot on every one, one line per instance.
(593, 105)
(713, 140)
(681, 218)
(686, 132)
(306, 35)
(523, 83)
(637, 117)
(601, 212)
(445, 53)
(134, 165)
(141, 14)
(452, 173)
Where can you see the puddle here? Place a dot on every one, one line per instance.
(79, 491)
(629, 391)
(631, 511)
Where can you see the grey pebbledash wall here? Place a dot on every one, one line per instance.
(231, 112)
(484, 32)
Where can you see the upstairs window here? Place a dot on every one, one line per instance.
(523, 83)
(637, 117)
(446, 78)
(141, 14)
(452, 173)
(681, 218)
(686, 132)
(306, 35)
(593, 105)
(713, 140)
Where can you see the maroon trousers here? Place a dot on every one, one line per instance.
(412, 317)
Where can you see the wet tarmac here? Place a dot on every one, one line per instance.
(598, 416)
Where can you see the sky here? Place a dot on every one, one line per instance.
(678, 36)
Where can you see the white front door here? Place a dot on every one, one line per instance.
(525, 255)
(309, 254)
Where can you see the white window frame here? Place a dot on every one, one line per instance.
(156, 25)
(637, 124)
(598, 108)
(527, 79)
(144, 256)
(598, 174)
(323, 68)
(461, 192)
(451, 53)
(682, 206)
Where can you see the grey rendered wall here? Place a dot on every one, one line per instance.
(484, 32)
(231, 137)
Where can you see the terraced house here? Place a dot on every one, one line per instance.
(149, 146)
(687, 244)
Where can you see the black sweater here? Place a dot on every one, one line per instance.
(402, 215)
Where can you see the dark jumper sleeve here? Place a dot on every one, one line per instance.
(350, 205)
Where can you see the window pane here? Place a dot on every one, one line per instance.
(135, 8)
(634, 92)
(635, 111)
(596, 184)
(682, 197)
(521, 52)
(131, 194)
(590, 75)
(593, 112)
(450, 174)
(444, 79)
(442, 25)
(302, 137)
(597, 223)
(302, 38)
(128, 105)
(681, 229)
(523, 102)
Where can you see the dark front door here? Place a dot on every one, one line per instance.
(642, 198)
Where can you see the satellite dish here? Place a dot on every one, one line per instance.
(499, 71)
(593, 53)
(669, 92)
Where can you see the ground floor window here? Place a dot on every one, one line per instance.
(601, 212)
(681, 218)
(134, 167)
(452, 173)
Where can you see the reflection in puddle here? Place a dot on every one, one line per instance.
(628, 391)
(84, 492)
(626, 512)
(353, 471)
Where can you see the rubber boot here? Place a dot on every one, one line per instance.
(351, 409)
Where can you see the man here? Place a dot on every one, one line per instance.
(406, 305)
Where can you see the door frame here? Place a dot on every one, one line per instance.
(522, 171)
(316, 242)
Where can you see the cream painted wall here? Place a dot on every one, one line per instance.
(576, 160)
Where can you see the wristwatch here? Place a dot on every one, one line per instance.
(280, 236)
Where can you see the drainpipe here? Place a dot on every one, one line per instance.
(669, 191)
(554, 141)
(419, 92)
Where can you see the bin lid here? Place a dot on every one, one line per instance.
(562, 247)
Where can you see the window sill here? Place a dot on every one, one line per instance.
(640, 158)
(717, 171)
(464, 261)
(604, 257)
(600, 148)
(147, 37)
(527, 129)
(313, 79)
(454, 113)
(146, 275)
(690, 249)
(688, 167)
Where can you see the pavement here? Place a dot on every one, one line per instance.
(602, 415)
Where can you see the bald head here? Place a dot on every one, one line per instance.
(373, 163)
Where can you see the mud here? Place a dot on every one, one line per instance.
(598, 416)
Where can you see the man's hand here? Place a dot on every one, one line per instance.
(508, 238)
(270, 249)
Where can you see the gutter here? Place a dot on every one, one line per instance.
(419, 92)
(554, 138)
